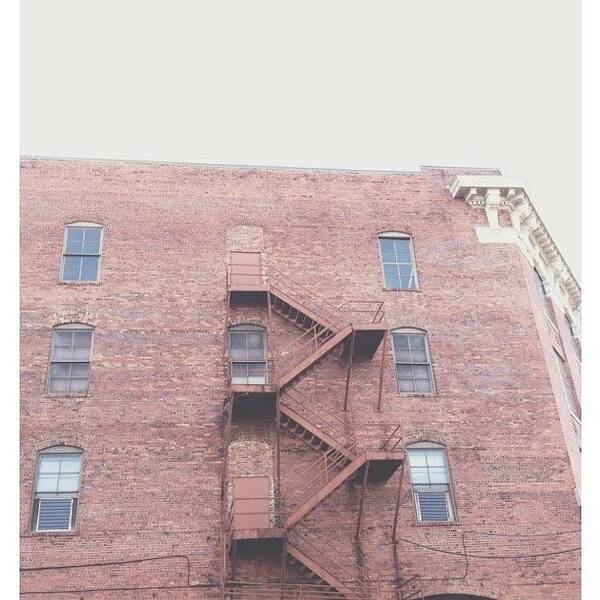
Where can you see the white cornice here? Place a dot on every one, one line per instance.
(496, 193)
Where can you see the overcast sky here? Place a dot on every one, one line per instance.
(370, 85)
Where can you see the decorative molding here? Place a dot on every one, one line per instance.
(495, 193)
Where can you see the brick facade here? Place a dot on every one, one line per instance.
(151, 428)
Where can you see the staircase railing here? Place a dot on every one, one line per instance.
(300, 294)
(331, 559)
(322, 419)
(302, 347)
(394, 440)
(313, 477)
(363, 311)
(248, 590)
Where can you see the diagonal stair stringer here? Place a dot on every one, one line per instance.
(325, 490)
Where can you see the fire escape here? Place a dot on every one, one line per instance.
(254, 514)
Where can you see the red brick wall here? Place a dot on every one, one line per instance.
(151, 426)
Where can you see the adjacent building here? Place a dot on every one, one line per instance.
(258, 383)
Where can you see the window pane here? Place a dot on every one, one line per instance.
(58, 385)
(419, 475)
(423, 386)
(417, 458)
(54, 514)
(386, 244)
(435, 458)
(406, 271)
(421, 371)
(75, 234)
(47, 483)
(92, 234)
(408, 284)
(60, 370)
(91, 247)
(419, 356)
(400, 340)
(238, 354)
(74, 247)
(403, 356)
(255, 340)
(49, 464)
(402, 244)
(417, 341)
(404, 371)
(256, 353)
(80, 370)
(406, 385)
(404, 258)
(71, 267)
(63, 338)
(388, 256)
(78, 386)
(438, 475)
(392, 279)
(68, 483)
(70, 463)
(237, 339)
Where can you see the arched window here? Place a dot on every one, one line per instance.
(248, 354)
(430, 481)
(398, 261)
(70, 359)
(56, 489)
(413, 363)
(82, 249)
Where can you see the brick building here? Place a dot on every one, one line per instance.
(245, 382)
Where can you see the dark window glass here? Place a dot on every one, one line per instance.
(248, 354)
(70, 361)
(413, 368)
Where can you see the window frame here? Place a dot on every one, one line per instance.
(70, 327)
(409, 331)
(265, 361)
(399, 235)
(450, 498)
(88, 224)
(74, 496)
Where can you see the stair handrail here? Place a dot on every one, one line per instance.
(385, 446)
(341, 427)
(351, 571)
(303, 346)
(372, 309)
(254, 590)
(278, 279)
(315, 476)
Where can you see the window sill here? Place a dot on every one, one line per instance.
(415, 395)
(437, 523)
(61, 395)
(68, 532)
(80, 283)
(418, 290)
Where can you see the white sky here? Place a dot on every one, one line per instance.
(369, 85)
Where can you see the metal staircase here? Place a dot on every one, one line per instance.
(357, 328)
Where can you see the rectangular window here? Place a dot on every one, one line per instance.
(397, 259)
(56, 492)
(247, 355)
(431, 484)
(413, 366)
(81, 253)
(70, 360)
